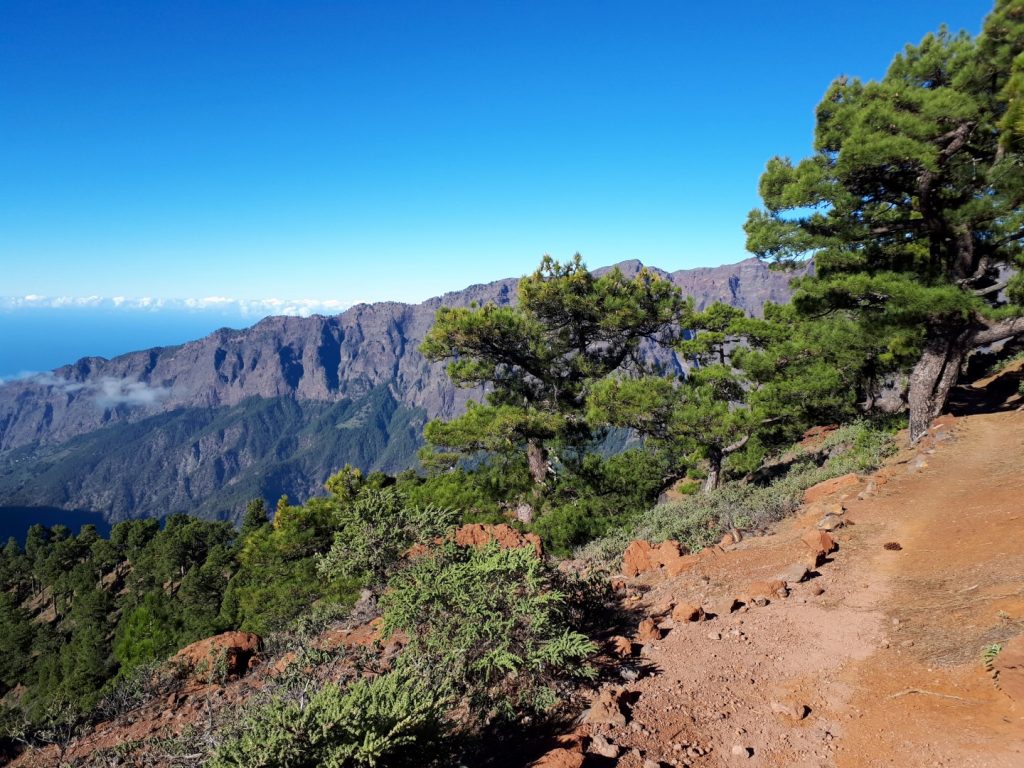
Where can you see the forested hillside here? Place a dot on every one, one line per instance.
(509, 597)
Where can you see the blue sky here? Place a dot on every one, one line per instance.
(356, 151)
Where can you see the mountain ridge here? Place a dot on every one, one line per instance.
(364, 355)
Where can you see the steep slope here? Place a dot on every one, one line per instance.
(184, 428)
(875, 659)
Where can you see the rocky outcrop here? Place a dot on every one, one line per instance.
(480, 535)
(228, 655)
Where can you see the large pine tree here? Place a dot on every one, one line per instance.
(911, 204)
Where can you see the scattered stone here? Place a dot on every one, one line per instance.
(640, 557)
(688, 612)
(820, 543)
(661, 609)
(606, 708)
(629, 673)
(621, 646)
(637, 558)
(830, 523)
(791, 710)
(714, 636)
(817, 589)
(727, 606)
(651, 764)
(767, 589)
(892, 546)
(794, 574)
(648, 632)
(599, 745)
(739, 750)
(560, 758)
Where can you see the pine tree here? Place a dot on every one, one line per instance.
(911, 205)
(539, 359)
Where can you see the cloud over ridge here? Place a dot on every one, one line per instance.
(245, 307)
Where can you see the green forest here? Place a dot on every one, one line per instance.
(910, 207)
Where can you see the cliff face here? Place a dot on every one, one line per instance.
(161, 404)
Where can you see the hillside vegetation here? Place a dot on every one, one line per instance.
(456, 637)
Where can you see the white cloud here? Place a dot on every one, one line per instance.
(107, 392)
(110, 392)
(256, 308)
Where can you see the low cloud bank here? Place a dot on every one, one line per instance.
(105, 392)
(245, 307)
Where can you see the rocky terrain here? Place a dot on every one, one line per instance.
(268, 410)
(858, 633)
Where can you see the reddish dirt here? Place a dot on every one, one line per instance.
(875, 660)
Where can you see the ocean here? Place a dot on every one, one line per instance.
(34, 340)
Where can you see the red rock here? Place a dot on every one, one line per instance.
(688, 612)
(606, 708)
(640, 557)
(770, 589)
(648, 631)
(792, 710)
(230, 652)
(819, 542)
(637, 558)
(661, 609)
(479, 535)
(560, 758)
(825, 489)
(680, 564)
(620, 646)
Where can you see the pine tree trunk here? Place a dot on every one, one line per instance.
(714, 478)
(932, 379)
(537, 461)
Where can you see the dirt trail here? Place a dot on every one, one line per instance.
(882, 646)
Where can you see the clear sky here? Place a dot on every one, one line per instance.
(368, 150)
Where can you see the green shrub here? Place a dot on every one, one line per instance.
(489, 625)
(374, 531)
(701, 519)
(389, 720)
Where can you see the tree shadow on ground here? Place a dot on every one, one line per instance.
(989, 394)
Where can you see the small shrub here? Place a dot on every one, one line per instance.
(989, 653)
(138, 686)
(488, 625)
(374, 531)
(390, 720)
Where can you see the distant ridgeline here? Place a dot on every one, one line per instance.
(267, 411)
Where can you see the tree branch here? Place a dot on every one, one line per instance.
(992, 288)
(998, 331)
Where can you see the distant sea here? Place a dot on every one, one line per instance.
(15, 521)
(39, 339)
